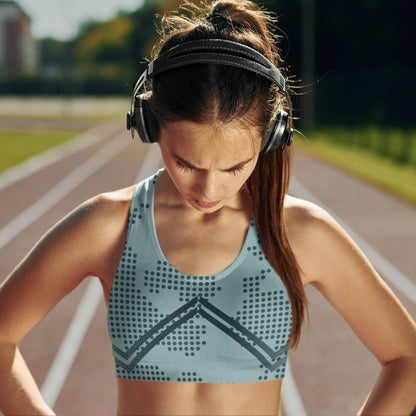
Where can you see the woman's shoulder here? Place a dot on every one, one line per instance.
(314, 236)
(300, 213)
(112, 202)
(93, 232)
(308, 220)
(104, 207)
(105, 214)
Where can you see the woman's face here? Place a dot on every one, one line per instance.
(209, 163)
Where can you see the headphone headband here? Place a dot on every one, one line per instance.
(213, 51)
(218, 51)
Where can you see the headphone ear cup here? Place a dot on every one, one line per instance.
(280, 134)
(145, 122)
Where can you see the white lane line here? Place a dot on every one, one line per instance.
(62, 188)
(46, 158)
(86, 309)
(387, 269)
(291, 400)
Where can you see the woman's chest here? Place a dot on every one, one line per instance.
(200, 248)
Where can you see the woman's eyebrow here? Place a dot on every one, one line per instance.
(189, 164)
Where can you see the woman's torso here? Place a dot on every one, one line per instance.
(161, 398)
(196, 246)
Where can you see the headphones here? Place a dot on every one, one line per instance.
(209, 51)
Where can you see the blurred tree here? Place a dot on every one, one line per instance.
(104, 43)
(144, 31)
(52, 52)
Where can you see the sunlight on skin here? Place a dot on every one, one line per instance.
(209, 164)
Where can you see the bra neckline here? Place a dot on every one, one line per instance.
(155, 241)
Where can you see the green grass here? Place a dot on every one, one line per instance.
(390, 143)
(18, 145)
(398, 178)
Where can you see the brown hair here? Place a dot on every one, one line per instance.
(217, 93)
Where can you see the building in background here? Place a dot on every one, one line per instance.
(18, 49)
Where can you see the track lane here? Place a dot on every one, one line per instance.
(35, 173)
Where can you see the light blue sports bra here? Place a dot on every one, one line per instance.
(232, 327)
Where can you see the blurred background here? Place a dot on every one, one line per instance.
(356, 57)
(353, 65)
(67, 69)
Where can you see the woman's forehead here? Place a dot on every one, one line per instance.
(222, 140)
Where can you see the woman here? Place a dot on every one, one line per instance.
(204, 264)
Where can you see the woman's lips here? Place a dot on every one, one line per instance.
(204, 204)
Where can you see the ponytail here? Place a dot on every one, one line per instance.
(268, 186)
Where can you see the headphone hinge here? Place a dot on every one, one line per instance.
(149, 70)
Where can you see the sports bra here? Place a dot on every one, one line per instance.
(231, 327)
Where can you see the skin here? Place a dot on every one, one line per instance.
(204, 164)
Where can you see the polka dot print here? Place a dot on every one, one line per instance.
(189, 339)
(167, 326)
(130, 314)
(165, 277)
(190, 377)
(267, 314)
(145, 372)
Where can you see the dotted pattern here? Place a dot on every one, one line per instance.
(256, 250)
(189, 287)
(188, 338)
(266, 314)
(130, 314)
(145, 372)
(135, 214)
(190, 377)
(146, 312)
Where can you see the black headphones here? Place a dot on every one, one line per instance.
(210, 51)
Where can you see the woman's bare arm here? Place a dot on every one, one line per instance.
(332, 262)
(87, 242)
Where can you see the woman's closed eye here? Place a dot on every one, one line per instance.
(233, 171)
(183, 166)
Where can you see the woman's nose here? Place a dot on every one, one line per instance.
(208, 185)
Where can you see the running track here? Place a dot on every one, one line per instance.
(69, 353)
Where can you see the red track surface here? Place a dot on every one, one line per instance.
(332, 369)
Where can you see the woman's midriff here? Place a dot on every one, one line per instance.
(153, 398)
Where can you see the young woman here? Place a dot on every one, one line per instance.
(204, 264)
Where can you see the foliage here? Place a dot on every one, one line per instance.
(105, 43)
(54, 53)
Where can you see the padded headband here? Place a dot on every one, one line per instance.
(213, 51)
